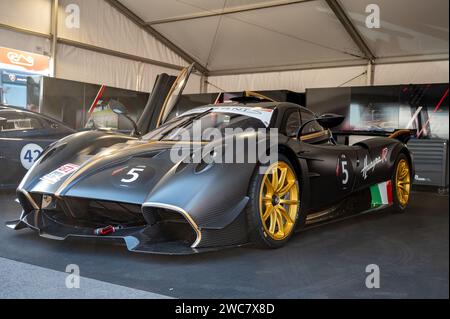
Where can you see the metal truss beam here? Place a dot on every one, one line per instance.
(351, 29)
(214, 13)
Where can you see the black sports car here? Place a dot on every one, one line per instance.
(23, 136)
(104, 184)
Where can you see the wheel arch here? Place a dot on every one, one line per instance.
(302, 172)
(290, 154)
(403, 149)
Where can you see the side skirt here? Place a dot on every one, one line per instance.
(374, 198)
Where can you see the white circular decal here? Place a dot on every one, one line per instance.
(29, 154)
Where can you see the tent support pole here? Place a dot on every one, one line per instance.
(204, 84)
(370, 73)
(54, 32)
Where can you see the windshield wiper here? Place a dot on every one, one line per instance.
(185, 123)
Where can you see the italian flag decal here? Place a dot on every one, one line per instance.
(381, 194)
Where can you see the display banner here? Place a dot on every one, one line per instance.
(13, 77)
(24, 61)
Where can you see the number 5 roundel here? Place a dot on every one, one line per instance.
(132, 176)
(344, 172)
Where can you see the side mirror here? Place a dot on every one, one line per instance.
(330, 120)
(120, 109)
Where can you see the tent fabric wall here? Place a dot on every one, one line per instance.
(87, 66)
(24, 42)
(22, 14)
(103, 26)
(419, 73)
(384, 74)
(32, 15)
(290, 80)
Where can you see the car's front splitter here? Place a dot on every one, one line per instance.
(143, 239)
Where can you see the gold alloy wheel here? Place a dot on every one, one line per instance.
(403, 182)
(279, 200)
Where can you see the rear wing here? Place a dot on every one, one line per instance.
(402, 135)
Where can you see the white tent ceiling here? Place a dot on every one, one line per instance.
(408, 28)
(244, 36)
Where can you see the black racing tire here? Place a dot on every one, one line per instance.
(398, 205)
(257, 233)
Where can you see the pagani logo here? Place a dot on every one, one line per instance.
(370, 166)
(20, 59)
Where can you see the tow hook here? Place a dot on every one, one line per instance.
(106, 230)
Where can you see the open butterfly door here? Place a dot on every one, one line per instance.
(164, 97)
(174, 94)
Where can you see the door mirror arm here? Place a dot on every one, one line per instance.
(135, 131)
(120, 109)
(327, 121)
(300, 129)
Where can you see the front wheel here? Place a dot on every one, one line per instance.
(401, 181)
(273, 210)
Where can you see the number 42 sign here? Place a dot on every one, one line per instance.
(29, 154)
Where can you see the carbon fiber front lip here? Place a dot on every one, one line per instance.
(136, 239)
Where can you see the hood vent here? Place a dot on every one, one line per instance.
(53, 151)
(149, 154)
(95, 149)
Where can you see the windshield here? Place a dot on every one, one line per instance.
(182, 128)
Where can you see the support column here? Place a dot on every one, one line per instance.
(204, 84)
(370, 73)
(54, 32)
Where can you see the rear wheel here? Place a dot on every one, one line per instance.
(401, 181)
(274, 206)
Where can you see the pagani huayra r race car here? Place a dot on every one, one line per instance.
(95, 184)
(108, 185)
